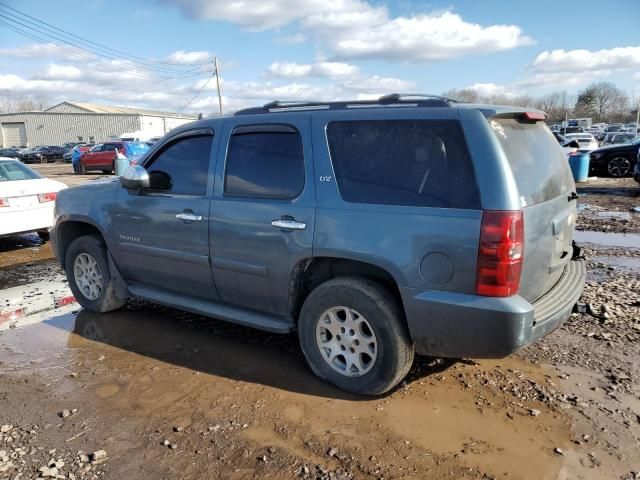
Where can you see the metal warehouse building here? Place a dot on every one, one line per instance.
(83, 122)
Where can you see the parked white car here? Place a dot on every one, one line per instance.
(27, 199)
(586, 140)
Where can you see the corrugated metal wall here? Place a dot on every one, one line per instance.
(58, 128)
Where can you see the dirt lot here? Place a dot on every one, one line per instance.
(151, 392)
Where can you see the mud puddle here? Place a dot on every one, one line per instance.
(625, 263)
(626, 240)
(240, 397)
(18, 249)
(23, 274)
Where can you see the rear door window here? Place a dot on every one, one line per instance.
(423, 163)
(265, 161)
(539, 166)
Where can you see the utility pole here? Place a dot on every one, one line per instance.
(215, 64)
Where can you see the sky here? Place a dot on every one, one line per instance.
(158, 54)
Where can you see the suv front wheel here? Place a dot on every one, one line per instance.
(353, 335)
(89, 276)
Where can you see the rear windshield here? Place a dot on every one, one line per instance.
(538, 164)
(10, 171)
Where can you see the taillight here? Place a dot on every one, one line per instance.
(47, 197)
(500, 253)
(4, 202)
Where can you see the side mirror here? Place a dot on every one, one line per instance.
(135, 177)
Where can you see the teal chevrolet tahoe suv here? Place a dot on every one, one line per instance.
(410, 224)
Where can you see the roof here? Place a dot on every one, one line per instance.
(82, 107)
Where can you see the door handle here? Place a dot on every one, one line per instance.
(288, 224)
(189, 217)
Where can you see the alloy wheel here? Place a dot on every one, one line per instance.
(346, 341)
(88, 276)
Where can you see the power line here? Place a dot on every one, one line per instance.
(86, 57)
(38, 29)
(129, 90)
(73, 53)
(104, 47)
(198, 92)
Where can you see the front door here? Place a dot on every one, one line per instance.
(262, 219)
(162, 233)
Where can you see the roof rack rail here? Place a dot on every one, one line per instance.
(404, 99)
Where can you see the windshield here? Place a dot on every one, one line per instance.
(12, 171)
(539, 166)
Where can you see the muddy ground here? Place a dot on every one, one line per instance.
(150, 392)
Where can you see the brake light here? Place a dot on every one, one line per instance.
(534, 116)
(500, 253)
(4, 202)
(47, 197)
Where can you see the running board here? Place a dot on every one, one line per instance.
(211, 309)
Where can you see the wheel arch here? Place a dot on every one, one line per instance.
(70, 229)
(311, 272)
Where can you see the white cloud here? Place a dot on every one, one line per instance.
(318, 69)
(358, 29)
(431, 37)
(377, 85)
(491, 89)
(636, 76)
(46, 50)
(579, 61)
(258, 14)
(187, 58)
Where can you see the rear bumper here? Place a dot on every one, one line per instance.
(458, 325)
(37, 218)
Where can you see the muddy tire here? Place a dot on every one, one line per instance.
(89, 276)
(353, 335)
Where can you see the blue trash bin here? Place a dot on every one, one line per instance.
(579, 164)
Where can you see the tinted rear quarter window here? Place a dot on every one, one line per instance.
(539, 166)
(423, 163)
(265, 164)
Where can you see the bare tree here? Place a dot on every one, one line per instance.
(602, 100)
(11, 101)
(464, 95)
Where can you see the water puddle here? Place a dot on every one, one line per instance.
(615, 215)
(625, 240)
(626, 263)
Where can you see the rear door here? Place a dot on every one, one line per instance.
(545, 185)
(92, 157)
(263, 211)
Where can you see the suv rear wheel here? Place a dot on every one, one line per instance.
(353, 335)
(89, 276)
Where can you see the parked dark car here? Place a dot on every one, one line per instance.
(10, 152)
(615, 138)
(67, 157)
(615, 160)
(375, 229)
(44, 154)
(636, 170)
